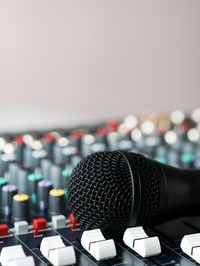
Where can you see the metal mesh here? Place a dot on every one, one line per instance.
(150, 191)
(100, 192)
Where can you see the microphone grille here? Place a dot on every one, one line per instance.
(150, 189)
(100, 192)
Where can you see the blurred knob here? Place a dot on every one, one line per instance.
(43, 188)
(20, 210)
(8, 191)
(57, 204)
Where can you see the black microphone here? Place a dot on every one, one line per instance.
(119, 189)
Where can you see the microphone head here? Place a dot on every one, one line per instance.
(112, 190)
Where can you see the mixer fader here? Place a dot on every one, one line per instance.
(36, 225)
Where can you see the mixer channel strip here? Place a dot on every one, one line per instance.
(171, 253)
(35, 168)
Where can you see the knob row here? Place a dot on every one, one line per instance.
(52, 201)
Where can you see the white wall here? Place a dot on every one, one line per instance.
(65, 60)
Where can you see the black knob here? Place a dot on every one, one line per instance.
(20, 210)
(57, 203)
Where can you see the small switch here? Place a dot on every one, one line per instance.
(54, 250)
(58, 221)
(3, 230)
(21, 227)
(39, 224)
(73, 221)
(140, 242)
(95, 243)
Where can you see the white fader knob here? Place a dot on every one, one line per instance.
(54, 250)
(15, 256)
(140, 242)
(190, 244)
(95, 243)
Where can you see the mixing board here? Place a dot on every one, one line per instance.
(36, 226)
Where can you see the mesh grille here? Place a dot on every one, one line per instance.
(100, 192)
(150, 192)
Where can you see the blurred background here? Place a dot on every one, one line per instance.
(65, 62)
(85, 76)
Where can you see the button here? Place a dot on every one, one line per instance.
(140, 242)
(95, 243)
(58, 221)
(3, 230)
(39, 224)
(21, 227)
(14, 256)
(190, 244)
(53, 249)
(73, 221)
(21, 209)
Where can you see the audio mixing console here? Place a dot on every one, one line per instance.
(36, 226)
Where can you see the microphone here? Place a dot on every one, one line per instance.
(119, 189)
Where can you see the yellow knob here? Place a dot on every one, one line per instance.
(57, 192)
(20, 197)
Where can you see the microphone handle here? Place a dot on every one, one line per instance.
(179, 192)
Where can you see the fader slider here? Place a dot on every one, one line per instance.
(95, 243)
(54, 250)
(15, 256)
(140, 242)
(190, 245)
